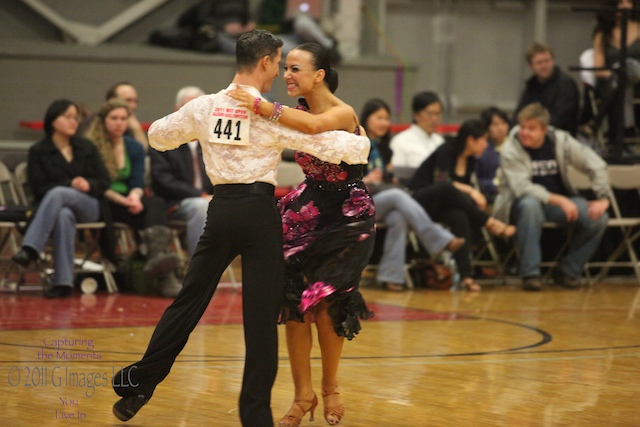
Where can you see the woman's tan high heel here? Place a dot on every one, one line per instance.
(470, 285)
(298, 410)
(333, 408)
(499, 228)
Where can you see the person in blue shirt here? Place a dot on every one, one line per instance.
(486, 167)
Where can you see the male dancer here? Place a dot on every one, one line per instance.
(241, 153)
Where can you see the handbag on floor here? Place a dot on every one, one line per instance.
(431, 275)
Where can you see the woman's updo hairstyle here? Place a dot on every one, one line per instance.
(321, 60)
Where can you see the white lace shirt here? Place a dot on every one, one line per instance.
(217, 117)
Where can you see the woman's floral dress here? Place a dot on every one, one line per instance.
(328, 225)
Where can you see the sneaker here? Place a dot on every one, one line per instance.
(533, 284)
(564, 280)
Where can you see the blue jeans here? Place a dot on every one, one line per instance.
(56, 217)
(192, 210)
(399, 211)
(529, 214)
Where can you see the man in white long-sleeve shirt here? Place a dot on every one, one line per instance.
(412, 146)
(241, 153)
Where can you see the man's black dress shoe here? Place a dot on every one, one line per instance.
(22, 258)
(58, 292)
(127, 407)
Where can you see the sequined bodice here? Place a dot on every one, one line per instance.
(318, 170)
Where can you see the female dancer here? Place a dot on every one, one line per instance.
(606, 53)
(442, 185)
(328, 232)
(394, 206)
(67, 178)
(124, 159)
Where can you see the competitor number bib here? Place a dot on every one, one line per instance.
(229, 126)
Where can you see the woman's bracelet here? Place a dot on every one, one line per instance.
(277, 112)
(256, 106)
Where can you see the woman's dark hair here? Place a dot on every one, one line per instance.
(55, 110)
(322, 61)
(486, 116)
(606, 21)
(370, 107)
(469, 128)
(253, 46)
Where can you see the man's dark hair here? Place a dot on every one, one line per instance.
(253, 46)
(423, 99)
(112, 92)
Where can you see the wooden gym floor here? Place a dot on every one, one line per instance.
(502, 357)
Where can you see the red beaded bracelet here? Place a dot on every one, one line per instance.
(256, 106)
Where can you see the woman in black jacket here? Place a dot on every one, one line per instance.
(443, 186)
(67, 178)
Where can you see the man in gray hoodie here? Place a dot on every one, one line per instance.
(534, 188)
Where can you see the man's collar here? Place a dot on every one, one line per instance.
(251, 89)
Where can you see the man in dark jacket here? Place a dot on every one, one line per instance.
(552, 88)
(179, 177)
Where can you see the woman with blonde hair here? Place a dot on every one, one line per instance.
(124, 159)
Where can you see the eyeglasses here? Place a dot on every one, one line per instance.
(70, 117)
(433, 113)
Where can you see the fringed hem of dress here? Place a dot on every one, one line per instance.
(346, 310)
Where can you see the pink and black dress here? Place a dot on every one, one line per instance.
(328, 225)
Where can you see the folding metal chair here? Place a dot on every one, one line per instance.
(88, 239)
(622, 177)
(10, 236)
(373, 265)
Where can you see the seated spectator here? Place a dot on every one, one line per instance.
(295, 27)
(215, 25)
(412, 146)
(68, 179)
(550, 86)
(394, 206)
(124, 159)
(497, 123)
(534, 188)
(179, 177)
(442, 185)
(127, 93)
